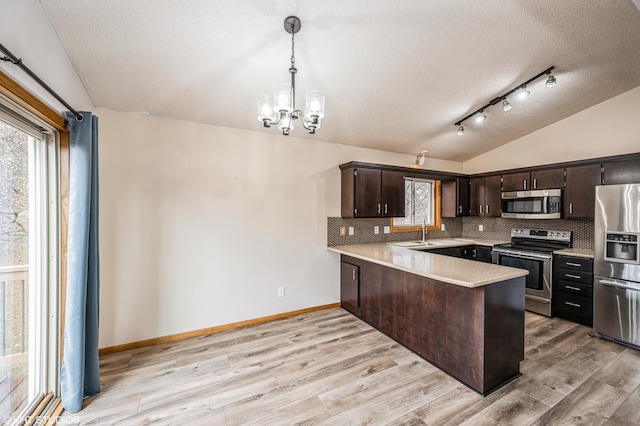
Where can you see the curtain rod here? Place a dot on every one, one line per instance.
(17, 61)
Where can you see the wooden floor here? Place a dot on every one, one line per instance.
(330, 368)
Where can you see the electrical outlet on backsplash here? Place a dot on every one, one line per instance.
(496, 228)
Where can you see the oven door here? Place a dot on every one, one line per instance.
(538, 282)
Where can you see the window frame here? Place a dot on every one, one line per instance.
(436, 212)
(56, 151)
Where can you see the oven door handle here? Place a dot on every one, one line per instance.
(532, 256)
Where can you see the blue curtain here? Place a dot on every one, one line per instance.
(80, 375)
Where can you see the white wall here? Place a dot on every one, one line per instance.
(200, 224)
(609, 128)
(25, 30)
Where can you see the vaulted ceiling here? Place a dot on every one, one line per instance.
(397, 75)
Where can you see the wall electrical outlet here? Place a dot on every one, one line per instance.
(343, 231)
(442, 227)
(376, 229)
(387, 229)
(480, 228)
(280, 291)
(351, 231)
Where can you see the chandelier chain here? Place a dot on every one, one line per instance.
(293, 55)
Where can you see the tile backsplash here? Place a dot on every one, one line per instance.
(495, 228)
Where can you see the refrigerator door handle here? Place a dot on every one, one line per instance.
(610, 283)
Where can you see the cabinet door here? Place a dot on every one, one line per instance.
(516, 181)
(454, 198)
(483, 254)
(580, 192)
(476, 197)
(492, 196)
(620, 172)
(463, 196)
(393, 188)
(547, 179)
(367, 193)
(349, 286)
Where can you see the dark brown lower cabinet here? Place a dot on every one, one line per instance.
(474, 334)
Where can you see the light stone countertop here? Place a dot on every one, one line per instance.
(575, 252)
(452, 270)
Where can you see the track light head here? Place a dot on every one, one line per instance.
(421, 157)
(460, 130)
(551, 81)
(506, 106)
(480, 117)
(523, 93)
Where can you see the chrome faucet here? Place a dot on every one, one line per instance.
(424, 230)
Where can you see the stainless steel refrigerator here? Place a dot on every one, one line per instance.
(616, 267)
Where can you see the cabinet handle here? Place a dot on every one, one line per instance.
(353, 272)
(573, 264)
(524, 183)
(535, 183)
(385, 208)
(481, 211)
(378, 208)
(487, 209)
(460, 209)
(570, 287)
(575, 305)
(577, 277)
(570, 208)
(474, 253)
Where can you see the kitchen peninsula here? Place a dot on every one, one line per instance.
(464, 317)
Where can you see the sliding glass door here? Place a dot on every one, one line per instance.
(29, 251)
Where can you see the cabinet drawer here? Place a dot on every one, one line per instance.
(574, 303)
(574, 287)
(574, 263)
(575, 276)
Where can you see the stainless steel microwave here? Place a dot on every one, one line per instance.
(537, 204)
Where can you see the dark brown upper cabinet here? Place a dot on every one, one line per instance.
(620, 172)
(579, 194)
(368, 192)
(538, 179)
(485, 196)
(454, 197)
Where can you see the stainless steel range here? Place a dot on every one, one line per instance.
(532, 249)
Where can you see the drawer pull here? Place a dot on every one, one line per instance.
(575, 305)
(572, 288)
(574, 264)
(575, 277)
(353, 274)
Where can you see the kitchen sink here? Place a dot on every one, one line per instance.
(414, 244)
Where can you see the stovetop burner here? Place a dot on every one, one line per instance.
(538, 240)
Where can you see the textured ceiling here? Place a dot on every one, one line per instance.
(397, 75)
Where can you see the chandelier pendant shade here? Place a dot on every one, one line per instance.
(280, 109)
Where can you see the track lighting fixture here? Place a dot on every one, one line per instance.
(421, 157)
(506, 106)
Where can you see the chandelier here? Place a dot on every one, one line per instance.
(281, 109)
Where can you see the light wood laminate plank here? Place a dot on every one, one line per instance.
(328, 367)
